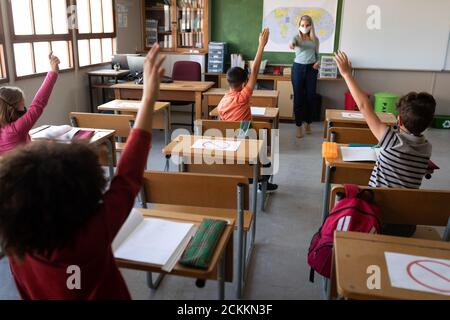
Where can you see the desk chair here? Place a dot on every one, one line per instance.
(186, 71)
(122, 124)
(201, 194)
(220, 128)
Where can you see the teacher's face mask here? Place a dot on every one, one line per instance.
(304, 30)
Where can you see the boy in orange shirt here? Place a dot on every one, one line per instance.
(235, 105)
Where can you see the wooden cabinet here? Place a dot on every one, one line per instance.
(286, 99)
(178, 26)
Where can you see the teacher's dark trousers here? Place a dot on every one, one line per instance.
(304, 82)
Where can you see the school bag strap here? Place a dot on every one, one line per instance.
(351, 191)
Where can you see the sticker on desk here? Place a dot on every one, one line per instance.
(258, 111)
(219, 145)
(418, 273)
(350, 115)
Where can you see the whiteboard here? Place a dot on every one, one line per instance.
(414, 34)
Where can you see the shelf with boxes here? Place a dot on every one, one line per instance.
(177, 25)
(275, 77)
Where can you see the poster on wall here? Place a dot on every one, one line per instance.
(282, 17)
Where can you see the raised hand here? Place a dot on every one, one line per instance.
(264, 37)
(153, 72)
(343, 63)
(54, 62)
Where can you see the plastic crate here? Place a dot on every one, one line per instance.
(386, 102)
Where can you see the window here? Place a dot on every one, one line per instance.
(96, 31)
(38, 27)
(3, 73)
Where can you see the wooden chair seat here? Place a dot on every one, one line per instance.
(213, 212)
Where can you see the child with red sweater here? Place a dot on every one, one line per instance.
(54, 215)
(15, 120)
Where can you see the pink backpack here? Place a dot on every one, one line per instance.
(350, 214)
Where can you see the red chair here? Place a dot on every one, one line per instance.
(186, 71)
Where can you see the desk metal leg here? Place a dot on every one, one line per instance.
(222, 272)
(91, 97)
(326, 193)
(166, 136)
(240, 246)
(264, 195)
(154, 284)
(256, 170)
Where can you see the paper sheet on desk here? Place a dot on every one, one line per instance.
(258, 111)
(350, 115)
(219, 145)
(354, 154)
(154, 241)
(418, 273)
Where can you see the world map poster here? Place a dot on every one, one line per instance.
(282, 17)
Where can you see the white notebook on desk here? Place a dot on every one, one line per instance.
(153, 241)
(354, 154)
(60, 133)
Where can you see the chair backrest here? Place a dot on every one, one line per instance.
(408, 206)
(122, 124)
(196, 190)
(187, 71)
(351, 135)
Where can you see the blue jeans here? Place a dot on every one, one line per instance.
(304, 82)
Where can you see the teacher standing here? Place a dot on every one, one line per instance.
(304, 73)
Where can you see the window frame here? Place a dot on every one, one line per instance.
(95, 36)
(30, 39)
(3, 54)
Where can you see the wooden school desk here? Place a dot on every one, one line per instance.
(221, 265)
(102, 74)
(244, 162)
(247, 155)
(161, 117)
(271, 115)
(334, 118)
(338, 171)
(350, 276)
(100, 137)
(260, 98)
(190, 91)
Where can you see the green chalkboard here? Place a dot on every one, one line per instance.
(239, 22)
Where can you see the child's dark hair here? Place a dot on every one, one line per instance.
(236, 77)
(416, 111)
(48, 191)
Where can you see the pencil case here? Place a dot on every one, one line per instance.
(200, 250)
(329, 150)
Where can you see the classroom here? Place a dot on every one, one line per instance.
(201, 150)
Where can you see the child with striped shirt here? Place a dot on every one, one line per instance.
(404, 150)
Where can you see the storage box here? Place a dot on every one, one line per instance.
(386, 102)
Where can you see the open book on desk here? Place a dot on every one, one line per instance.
(354, 154)
(63, 133)
(152, 241)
